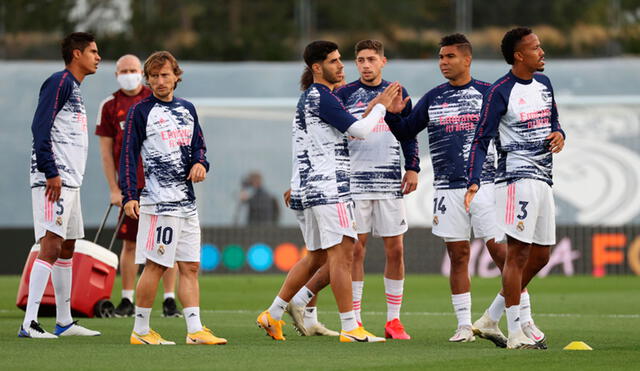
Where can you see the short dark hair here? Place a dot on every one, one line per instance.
(511, 40)
(159, 59)
(316, 51)
(459, 40)
(73, 41)
(370, 44)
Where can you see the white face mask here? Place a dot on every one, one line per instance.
(129, 81)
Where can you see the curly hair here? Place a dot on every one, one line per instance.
(511, 40)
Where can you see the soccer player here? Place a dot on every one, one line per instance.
(377, 185)
(320, 187)
(165, 130)
(450, 113)
(519, 111)
(109, 127)
(58, 161)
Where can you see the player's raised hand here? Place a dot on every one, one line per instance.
(409, 182)
(468, 197)
(53, 188)
(556, 141)
(198, 173)
(132, 209)
(287, 197)
(398, 104)
(386, 98)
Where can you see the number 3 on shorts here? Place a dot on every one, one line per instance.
(523, 210)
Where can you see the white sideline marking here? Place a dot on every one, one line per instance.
(441, 314)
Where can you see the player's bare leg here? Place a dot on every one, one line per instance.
(271, 319)
(394, 286)
(538, 258)
(145, 295)
(189, 294)
(460, 283)
(516, 260)
(357, 274)
(302, 306)
(50, 247)
(498, 252)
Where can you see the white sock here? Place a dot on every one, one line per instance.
(302, 297)
(513, 318)
(171, 295)
(525, 308)
(356, 288)
(192, 316)
(61, 278)
(348, 321)
(37, 284)
(393, 291)
(127, 294)
(310, 316)
(496, 308)
(462, 308)
(141, 324)
(276, 310)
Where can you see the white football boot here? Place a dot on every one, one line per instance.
(519, 340)
(535, 334)
(74, 329)
(464, 334)
(297, 314)
(488, 329)
(34, 331)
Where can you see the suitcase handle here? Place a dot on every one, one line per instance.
(104, 221)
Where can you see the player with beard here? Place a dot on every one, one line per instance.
(320, 192)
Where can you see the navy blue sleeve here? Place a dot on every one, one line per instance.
(135, 132)
(405, 128)
(494, 106)
(555, 123)
(198, 147)
(54, 93)
(409, 147)
(333, 112)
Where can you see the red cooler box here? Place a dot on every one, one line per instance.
(94, 270)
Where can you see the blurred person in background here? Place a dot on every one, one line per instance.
(262, 208)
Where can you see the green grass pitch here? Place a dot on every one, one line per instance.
(602, 312)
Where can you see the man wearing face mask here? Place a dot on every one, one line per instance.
(109, 127)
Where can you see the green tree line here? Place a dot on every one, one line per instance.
(276, 30)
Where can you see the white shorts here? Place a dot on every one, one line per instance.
(383, 218)
(452, 222)
(526, 211)
(166, 239)
(63, 217)
(324, 226)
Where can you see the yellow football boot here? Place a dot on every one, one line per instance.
(359, 335)
(270, 325)
(152, 338)
(206, 337)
